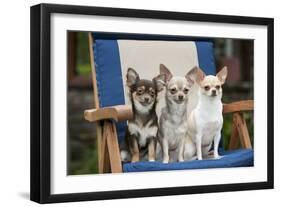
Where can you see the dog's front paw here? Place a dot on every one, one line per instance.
(199, 158)
(135, 159)
(216, 156)
(165, 161)
(151, 160)
(181, 160)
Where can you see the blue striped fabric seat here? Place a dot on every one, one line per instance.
(113, 54)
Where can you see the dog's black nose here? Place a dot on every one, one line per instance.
(146, 99)
(214, 92)
(180, 97)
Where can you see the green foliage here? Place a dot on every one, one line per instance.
(82, 139)
(82, 54)
(84, 69)
(87, 163)
(227, 125)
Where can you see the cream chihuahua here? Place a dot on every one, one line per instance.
(205, 121)
(173, 119)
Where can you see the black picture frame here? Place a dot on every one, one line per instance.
(41, 99)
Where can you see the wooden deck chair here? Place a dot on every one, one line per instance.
(111, 55)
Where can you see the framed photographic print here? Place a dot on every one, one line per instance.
(133, 103)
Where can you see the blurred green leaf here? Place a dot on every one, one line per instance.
(84, 69)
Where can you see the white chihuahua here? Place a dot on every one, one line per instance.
(205, 121)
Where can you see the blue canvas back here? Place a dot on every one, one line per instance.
(108, 65)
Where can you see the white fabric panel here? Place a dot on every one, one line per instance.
(145, 57)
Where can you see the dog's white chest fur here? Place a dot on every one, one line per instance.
(209, 130)
(205, 122)
(209, 121)
(142, 132)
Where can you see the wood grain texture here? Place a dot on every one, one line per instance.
(242, 129)
(245, 105)
(94, 76)
(96, 100)
(104, 162)
(117, 113)
(234, 139)
(113, 148)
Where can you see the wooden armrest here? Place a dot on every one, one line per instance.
(118, 113)
(246, 105)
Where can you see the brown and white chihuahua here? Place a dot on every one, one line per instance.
(142, 129)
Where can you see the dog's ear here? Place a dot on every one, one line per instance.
(191, 76)
(160, 81)
(222, 75)
(200, 75)
(132, 77)
(164, 70)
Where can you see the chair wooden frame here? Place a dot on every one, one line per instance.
(109, 159)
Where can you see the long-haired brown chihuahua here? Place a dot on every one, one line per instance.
(142, 129)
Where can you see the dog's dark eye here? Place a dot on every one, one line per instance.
(218, 87)
(139, 91)
(207, 88)
(152, 93)
(185, 90)
(173, 90)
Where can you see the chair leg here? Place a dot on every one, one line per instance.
(104, 162)
(242, 129)
(234, 139)
(113, 148)
(99, 129)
